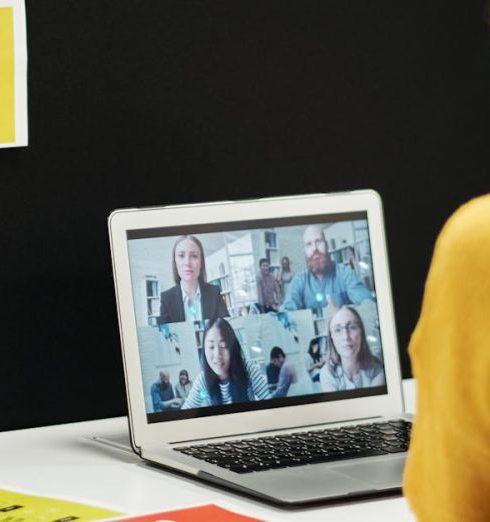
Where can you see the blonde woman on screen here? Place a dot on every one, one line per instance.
(192, 298)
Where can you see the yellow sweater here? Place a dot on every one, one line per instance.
(447, 477)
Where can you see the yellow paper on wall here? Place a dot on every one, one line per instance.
(17, 507)
(7, 78)
(13, 74)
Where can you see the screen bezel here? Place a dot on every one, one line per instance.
(144, 433)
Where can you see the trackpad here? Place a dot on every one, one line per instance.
(382, 473)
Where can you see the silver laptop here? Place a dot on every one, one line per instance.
(259, 344)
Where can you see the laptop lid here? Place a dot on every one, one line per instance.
(241, 317)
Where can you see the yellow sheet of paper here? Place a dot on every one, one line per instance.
(7, 75)
(17, 507)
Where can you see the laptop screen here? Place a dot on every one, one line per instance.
(255, 314)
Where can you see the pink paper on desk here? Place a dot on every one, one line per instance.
(207, 513)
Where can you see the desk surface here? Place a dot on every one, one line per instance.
(60, 461)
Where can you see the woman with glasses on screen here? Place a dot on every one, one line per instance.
(226, 378)
(192, 298)
(350, 363)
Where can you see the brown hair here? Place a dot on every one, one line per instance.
(365, 357)
(202, 273)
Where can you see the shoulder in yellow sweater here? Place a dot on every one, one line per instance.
(447, 477)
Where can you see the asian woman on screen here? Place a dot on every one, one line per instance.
(226, 377)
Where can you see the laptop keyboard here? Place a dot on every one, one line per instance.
(309, 447)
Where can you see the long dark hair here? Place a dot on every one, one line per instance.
(316, 356)
(286, 258)
(186, 373)
(202, 273)
(238, 375)
(365, 357)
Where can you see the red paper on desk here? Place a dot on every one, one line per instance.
(209, 513)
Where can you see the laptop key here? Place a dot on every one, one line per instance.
(391, 439)
(400, 424)
(242, 468)
(393, 449)
(296, 461)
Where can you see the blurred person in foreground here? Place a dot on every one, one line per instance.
(447, 477)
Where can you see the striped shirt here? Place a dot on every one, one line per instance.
(257, 389)
(224, 388)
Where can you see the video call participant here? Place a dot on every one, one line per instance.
(272, 372)
(162, 394)
(285, 276)
(192, 298)
(268, 291)
(226, 377)
(350, 363)
(287, 372)
(324, 282)
(315, 359)
(183, 387)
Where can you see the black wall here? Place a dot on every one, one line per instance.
(136, 103)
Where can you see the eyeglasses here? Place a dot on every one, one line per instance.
(350, 328)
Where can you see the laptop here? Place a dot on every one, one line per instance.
(259, 344)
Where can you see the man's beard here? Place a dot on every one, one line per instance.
(319, 265)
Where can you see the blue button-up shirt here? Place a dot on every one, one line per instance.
(340, 283)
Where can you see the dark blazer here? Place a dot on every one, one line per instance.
(172, 305)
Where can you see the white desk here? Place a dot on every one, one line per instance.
(58, 461)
